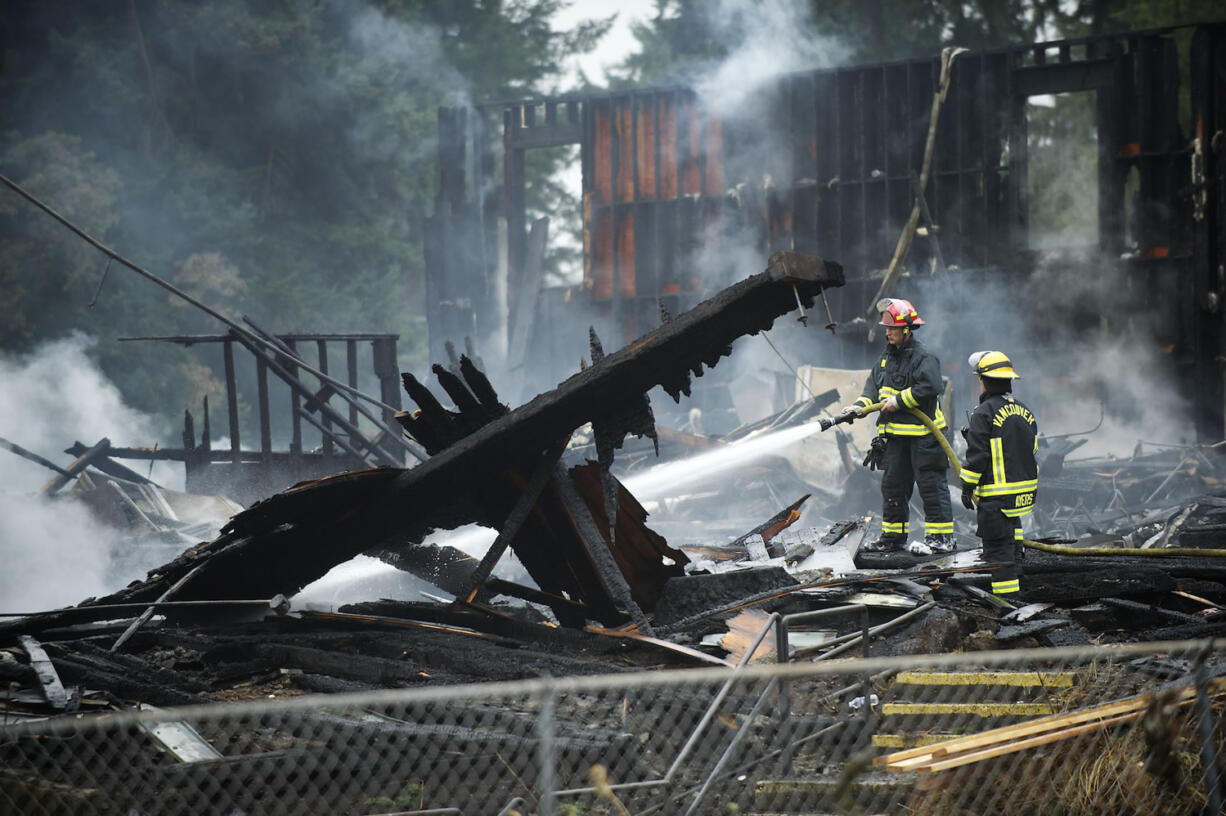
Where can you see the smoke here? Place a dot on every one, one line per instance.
(53, 550)
(764, 39)
(1083, 353)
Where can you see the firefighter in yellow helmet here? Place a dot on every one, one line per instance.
(1001, 472)
(907, 376)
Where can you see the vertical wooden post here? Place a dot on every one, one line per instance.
(261, 368)
(322, 347)
(295, 401)
(351, 352)
(227, 350)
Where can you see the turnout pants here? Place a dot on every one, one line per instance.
(912, 461)
(1002, 541)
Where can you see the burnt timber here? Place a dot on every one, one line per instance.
(283, 543)
(665, 176)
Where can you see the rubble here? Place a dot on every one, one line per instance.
(1135, 558)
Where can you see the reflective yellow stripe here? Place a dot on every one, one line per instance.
(887, 391)
(900, 429)
(908, 399)
(865, 401)
(938, 526)
(894, 527)
(883, 362)
(996, 446)
(1017, 534)
(970, 476)
(1002, 488)
(1017, 512)
(1005, 587)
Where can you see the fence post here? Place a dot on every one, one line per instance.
(1205, 727)
(782, 649)
(545, 725)
(868, 680)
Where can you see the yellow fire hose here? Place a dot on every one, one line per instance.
(1039, 545)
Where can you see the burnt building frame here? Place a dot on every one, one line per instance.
(662, 187)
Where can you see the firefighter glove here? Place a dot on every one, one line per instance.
(850, 414)
(968, 497)
(891, 403)
(875, 458)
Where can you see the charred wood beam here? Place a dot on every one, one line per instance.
(48, 680)
(192, 339)
(179, 454)
(236, 451)
(568, 612)
(1064, 77)
(598, 550)
(282, 543)
(107, 465)
(445, 567)
(33, 457)
(83, 461)
(545, 468)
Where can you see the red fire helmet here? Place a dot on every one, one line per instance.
(898, 312)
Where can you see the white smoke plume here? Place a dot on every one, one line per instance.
(773, 37)
(53, 550)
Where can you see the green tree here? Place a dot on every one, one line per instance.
(277, 159)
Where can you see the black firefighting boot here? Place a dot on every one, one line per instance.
(940, 542)
(889, 542)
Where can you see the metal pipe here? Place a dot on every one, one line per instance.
(737, 739)
(707, 717)
(877, 630)
(129, 607)
(548, 758)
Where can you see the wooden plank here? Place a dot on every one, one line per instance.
(1033, 742)
(914, 758)
(1031, 727)
(33, 457)
(53, 690)
(83, 461)
(663, 644)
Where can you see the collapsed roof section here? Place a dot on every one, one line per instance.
(501, 469)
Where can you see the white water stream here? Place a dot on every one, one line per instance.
(670, 478)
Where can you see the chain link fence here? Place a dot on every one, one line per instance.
(1134, 729)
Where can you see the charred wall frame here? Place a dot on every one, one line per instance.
(662, 185)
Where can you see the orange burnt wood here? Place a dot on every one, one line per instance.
(624, 129)
(668, 147)
(602, 153)
(638, 550)
(645, 148)
(625, 254)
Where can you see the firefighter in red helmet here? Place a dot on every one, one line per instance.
(907, 376)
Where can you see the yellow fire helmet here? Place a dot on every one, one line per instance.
(992, 364)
